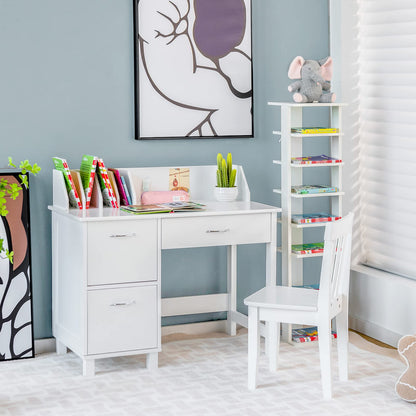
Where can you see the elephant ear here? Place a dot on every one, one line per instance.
(295, 67)
(326, 68)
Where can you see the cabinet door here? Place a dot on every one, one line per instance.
(124, 319)
(122, 252)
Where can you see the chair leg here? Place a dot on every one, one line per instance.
(324, 341)
(253, 346)
(342, 343)
(274, 341)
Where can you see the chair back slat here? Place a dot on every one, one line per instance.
(334, 281)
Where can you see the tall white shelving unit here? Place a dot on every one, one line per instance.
(292, 174)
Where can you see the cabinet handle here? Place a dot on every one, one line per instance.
(225, 230)
(127, 303)
(122, 235)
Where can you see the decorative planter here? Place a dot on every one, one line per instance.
(225, 194)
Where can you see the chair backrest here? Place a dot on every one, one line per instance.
(335, 272)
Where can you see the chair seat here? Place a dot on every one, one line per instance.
(283, 297)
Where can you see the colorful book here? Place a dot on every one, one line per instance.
(87, 172)
(312, 218)
(109, 197)
(121, 191)
(126, 190)
(307, 334)
(313, 189)
(314, 160)
(310, 248)
(314, 130)
(62, 165)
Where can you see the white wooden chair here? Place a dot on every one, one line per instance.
(282, 304)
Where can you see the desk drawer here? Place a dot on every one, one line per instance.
(122, 252)
(215, 230)
(123, 319)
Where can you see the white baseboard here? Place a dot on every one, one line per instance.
(45, 345)
(374, 331)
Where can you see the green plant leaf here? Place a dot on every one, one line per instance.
(9, 255)
(11, 164)
(24, 181)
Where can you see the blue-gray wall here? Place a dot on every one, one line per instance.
(66, 88)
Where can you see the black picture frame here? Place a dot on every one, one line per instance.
(241, 120)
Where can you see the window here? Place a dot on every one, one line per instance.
(382, 44)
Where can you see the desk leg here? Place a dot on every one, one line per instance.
(271, 327)
(231, 288)
(152, 361)
(61, 348)
(88, 367)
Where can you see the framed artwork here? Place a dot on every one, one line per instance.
(16, 324)
(193, 69)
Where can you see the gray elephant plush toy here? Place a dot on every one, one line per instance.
(313, 79)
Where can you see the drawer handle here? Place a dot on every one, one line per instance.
(127, 303)
(225, 230)
(123, 235)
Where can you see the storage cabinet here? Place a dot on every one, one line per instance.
(292, 144)
(106, 299)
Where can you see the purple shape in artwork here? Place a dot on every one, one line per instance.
(219, 26)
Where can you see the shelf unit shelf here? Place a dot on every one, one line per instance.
(292, 175)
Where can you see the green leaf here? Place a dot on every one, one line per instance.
(11, 164)
(3, 210)
(1, 244)
(24, 181)
(9, 255)
(36, 168)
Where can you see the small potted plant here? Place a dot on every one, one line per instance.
(225, 189)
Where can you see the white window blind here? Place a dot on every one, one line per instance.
(387, 134)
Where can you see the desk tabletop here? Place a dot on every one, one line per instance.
(212, 208)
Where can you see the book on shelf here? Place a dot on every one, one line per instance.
(315, 160)
(314, 130)
(309, 248)
(87, 172)
(121, 190)
(163, 208)
(313, 218)
(313, 189)
(109, 197)
(307, 334)
(113, 182)
(126, 190)
(62, 165)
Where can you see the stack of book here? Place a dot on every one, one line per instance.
(307, 334)
(310, 248)
(315, 130)
(315, 160)
(314, 218)
(313, 189)
(162, 208)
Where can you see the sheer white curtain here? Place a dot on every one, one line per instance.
(380, 73)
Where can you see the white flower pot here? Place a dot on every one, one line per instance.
(225, 194)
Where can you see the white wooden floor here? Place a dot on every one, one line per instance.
(200, 377)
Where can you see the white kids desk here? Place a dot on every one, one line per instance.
(107, 264)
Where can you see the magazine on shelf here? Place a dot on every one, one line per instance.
(123, 196)
(109, 197)
(162, 208)
(315, 160)
(310, 248)
(87, 172)
(62, 165)
(313, 189)
(313, 218)
(307, 334)
(314, 130)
